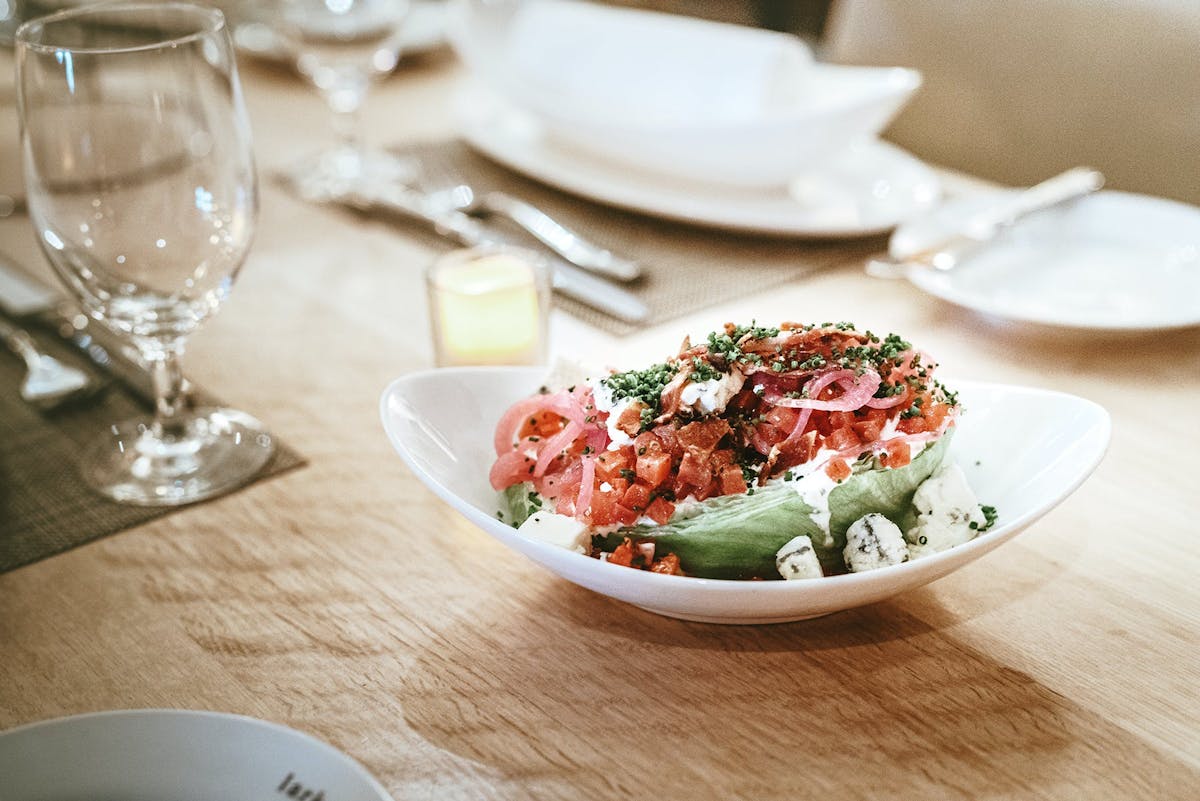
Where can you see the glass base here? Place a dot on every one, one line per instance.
(218, 451)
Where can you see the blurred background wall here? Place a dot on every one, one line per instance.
(1020, 90)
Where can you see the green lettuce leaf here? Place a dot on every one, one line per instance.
(520, 504)
(737, 536)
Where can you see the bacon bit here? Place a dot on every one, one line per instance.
(671, 395)
(630, 420)
(622, 554)
(668, 565)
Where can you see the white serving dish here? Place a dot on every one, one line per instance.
(174, 755)
(1023, 450)
(868, 188)
(668, 95)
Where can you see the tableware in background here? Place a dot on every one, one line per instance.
(400, 202)
(142, 192)
(988, 223)
(446, 188)
(869, 188)
(255, 35)
(48, 383)
(342, 48)
(1109, 262)
(489, 305)
(176, 755)
(1023, 451)
(672, 95)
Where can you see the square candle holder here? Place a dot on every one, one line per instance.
(489, 305)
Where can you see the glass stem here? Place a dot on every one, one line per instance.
(170, 398)
(346, 101)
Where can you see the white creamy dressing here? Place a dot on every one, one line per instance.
(603, 398)
(814, 488)
(711, 396)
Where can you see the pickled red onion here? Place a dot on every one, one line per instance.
(858, 390)
(556, 445)
(587, 485)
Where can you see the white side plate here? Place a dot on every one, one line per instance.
(1023, 450)
(1112, 262)
(869, 189)
(174, 755)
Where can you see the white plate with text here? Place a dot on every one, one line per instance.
(175, 755)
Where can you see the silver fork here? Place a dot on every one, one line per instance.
(48, 382)
(447, 190)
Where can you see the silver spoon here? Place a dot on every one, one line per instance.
(48, 382)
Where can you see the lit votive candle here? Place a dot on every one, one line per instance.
(489, 305)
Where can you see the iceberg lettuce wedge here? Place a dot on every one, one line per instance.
(737, 537)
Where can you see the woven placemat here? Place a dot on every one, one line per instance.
(688, 267)
(45, 507)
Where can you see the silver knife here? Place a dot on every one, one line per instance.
(982, 227)
(32, 303)
(462, 229)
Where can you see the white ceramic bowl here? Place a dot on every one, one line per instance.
(174, 755)
(1023, 450)
(595, 101)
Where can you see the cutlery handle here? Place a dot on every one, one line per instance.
(592, 290)
(569, 280)
(20, 343)
(1049, 193)
(562, 240)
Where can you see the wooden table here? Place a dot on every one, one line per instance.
(343, 599)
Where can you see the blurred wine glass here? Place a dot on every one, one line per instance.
(341, 47)
(141, 186)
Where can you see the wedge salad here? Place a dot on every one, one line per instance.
(793, 452)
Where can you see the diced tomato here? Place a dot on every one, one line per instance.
(841, 420)
(694, 469)
(732, 481)
(653, 468)
(637, 497)
(842, 438)
(541, 424)
(704, 434)
(896, 454)
(799, 451)
(838, 469)
(610, 464)
(935, 415)
(670, 440)
(712, 488)
(868, 430)
(782, 418)
(660, 510)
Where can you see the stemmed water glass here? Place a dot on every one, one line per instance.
(141, 188)
(341, 47)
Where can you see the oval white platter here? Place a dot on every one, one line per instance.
(1023, 450)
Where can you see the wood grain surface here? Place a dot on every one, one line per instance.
(344, 600)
